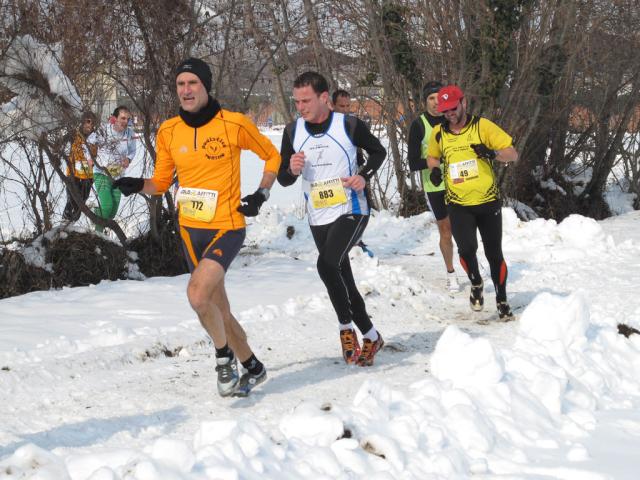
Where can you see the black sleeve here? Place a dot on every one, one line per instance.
(285, 177)
(362, 137)
(414, 146)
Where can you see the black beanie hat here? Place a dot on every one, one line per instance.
(198, 68)
(430, 88)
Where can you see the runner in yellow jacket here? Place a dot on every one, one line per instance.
(202, 146)
(461, 152)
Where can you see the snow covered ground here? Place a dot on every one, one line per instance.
(116, 381)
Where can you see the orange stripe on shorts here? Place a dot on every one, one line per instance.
(214, 240)
(184, 233)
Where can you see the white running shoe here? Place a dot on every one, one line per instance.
(452, 282)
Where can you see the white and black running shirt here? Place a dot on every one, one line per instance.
(330, 152)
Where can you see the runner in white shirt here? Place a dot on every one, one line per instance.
(321, 147)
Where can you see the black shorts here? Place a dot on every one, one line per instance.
(221, 246)
(437, 205)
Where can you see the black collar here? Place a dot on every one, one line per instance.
(202, 116)
(319, 128)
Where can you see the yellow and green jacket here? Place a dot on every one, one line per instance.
(468, 180)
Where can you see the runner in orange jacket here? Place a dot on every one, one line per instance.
(202, 146)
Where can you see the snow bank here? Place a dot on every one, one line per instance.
(486, 410)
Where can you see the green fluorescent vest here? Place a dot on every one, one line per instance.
(426, 181)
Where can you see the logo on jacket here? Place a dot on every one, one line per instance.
(214, 148)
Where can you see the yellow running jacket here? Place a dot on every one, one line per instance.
(469, 180)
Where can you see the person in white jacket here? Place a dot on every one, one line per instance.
(116, 149)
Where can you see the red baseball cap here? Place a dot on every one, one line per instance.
(449, 97)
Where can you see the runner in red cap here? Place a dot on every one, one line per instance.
(461, 152)
(449, 97)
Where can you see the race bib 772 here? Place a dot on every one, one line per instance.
(197, 203)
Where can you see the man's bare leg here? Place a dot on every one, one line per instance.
(236, 336)
(446, 242)
(205, 279)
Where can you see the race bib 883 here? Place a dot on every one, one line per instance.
(327, 193)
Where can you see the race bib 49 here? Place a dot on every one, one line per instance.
(463, 171)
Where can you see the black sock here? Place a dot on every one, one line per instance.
(224, 351)
(253, 365)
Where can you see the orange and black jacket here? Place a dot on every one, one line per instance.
(208, 157)
(77, 164)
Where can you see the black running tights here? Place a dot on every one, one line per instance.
(487, 219)
(334, 241)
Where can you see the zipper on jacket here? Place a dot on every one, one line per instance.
(195, 138)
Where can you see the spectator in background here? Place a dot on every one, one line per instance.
(80, 166)
(116, 149)
(341, 100)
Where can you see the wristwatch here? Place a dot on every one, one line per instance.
(265, 193)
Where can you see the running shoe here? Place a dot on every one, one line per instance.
(476, 299)
(369, 350)
(227, 368)
(504, 312)
(248, 381)
(350, 346)
(452, 282)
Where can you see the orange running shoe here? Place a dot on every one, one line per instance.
(369, 350)
(350, 346)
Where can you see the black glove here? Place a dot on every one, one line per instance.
(250, 205)
(129, 185)
(436, 176)
(484, 152)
